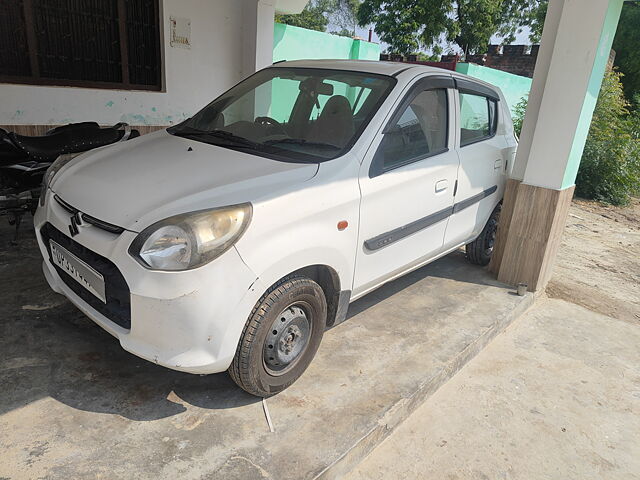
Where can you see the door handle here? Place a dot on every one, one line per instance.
(497, 164)
(441, 186)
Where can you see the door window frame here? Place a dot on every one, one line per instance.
(432, 82)
(472, 88)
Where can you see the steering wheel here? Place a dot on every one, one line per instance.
(270, 122)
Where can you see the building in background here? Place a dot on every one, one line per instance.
(516, 59)
(151, 63)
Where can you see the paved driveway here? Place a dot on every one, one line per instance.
(557, 396)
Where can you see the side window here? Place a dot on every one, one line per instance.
(478, 118)
(420, 131)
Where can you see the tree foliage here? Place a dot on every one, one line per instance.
(343, 16)
(610, 166)
(536, 21)
(407, 25)
(627, 46)
(318, 14)
(313, 17)
(518, 114)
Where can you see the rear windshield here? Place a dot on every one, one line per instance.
(295, 114)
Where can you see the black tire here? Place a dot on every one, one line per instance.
(480, 250)
(299, 299)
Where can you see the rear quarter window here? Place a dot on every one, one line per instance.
(478, 118)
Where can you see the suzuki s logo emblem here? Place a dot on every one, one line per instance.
(76, 221)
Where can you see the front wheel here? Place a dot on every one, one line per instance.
(280, 337)
(480, 250)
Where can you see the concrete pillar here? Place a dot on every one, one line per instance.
(257, 35)
(575, 47)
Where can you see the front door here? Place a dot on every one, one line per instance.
(407, 186)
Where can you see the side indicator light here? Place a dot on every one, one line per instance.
(342, 224)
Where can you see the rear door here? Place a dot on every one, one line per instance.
(406, 183)
(481, 150)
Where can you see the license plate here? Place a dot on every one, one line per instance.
(82, 273)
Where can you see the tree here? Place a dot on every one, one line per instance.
(343, 15)
(518, 114)
(536, 21)
(627, 46)
(313, 17)
(318, 14)
(610, 166)
(407, 25)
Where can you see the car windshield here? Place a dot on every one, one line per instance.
(293, 114)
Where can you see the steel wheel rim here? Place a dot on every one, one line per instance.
(492, 238)
(287, 340)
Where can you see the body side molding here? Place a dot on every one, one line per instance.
(399, 233)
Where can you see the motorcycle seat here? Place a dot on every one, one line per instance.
(75, 127)
(67, 140)
(9, 152)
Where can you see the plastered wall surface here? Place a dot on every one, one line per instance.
(514, 87)
(192, 77)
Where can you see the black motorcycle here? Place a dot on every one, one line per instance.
(24, 160)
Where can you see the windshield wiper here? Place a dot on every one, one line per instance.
(193, 132)
(302, 141)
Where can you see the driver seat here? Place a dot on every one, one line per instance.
(335, 124)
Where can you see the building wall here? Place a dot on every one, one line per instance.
(514, 87)
(516, 59)
(192, 78)
(295, 43)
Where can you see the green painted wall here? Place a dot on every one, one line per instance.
(514, 87)
(295, 43)
(593, 89)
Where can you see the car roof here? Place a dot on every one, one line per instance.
(383, 68)
(369, 66)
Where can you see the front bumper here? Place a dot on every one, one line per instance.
(189, 321)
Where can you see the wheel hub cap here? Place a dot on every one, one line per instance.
(286, 340)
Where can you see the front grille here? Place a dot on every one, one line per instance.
(109, 227)
(118, 305)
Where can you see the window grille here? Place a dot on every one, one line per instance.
(87, 43)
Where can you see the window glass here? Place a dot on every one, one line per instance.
(421, 130)
(296, 113)
(80, 43)
(476, 121)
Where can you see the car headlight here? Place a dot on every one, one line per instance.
(54, 168)
(192, 239)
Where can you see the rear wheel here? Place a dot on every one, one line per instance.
(480, 250)
(281, 337)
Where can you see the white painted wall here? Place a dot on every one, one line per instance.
(256, 52)
(192, 77)
(575, 47)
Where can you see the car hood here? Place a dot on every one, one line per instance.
(136, 183)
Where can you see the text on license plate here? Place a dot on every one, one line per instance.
(82, 273)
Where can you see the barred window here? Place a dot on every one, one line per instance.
(86, 43)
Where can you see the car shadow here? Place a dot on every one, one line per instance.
(59, 353)
(454, 266)
(48, 348)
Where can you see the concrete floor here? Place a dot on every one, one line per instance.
(557, 396)
(73, 404)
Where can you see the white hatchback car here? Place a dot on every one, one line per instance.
(234, 239)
